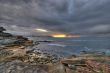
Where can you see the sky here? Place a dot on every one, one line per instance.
(83, 17)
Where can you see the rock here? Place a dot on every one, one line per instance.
(2, 34)
(7, 41)
(4, 54)
(90, 64)
(58, 68)
(18, 67)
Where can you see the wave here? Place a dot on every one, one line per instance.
(60, 45)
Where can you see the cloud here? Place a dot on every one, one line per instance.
(66, 16)
(100, 28)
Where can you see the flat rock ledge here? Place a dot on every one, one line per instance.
(19, 67)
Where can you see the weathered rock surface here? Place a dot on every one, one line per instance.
(19, 67)
(58, 68)
(87, 64)
(16, 58)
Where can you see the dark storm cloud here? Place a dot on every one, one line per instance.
(67, 16)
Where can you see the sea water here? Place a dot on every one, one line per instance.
(73, 46)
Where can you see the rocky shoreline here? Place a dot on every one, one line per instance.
(33, 64)
(15, 57)
(19, 60)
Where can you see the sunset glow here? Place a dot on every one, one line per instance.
(64, 36)
(59, 35)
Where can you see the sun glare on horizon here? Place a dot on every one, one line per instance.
(64, 36)
(59, 35)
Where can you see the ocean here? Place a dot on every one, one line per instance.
(65, 47)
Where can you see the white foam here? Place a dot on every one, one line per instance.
(60, 45)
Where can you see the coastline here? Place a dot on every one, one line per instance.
(36, 62)
(18, 56)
